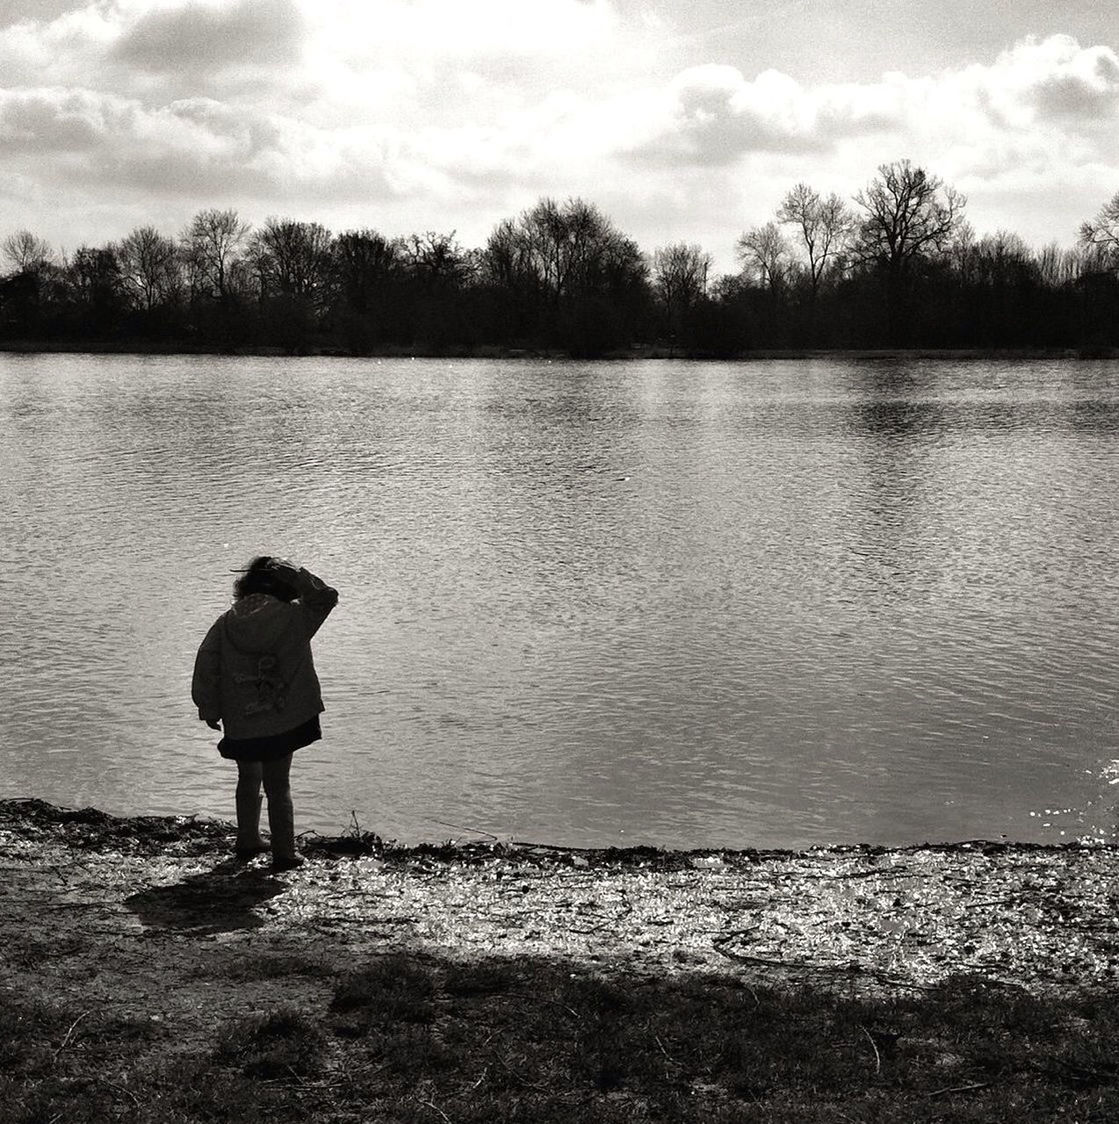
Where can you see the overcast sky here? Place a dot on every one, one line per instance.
(683, 120)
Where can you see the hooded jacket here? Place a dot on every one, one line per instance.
(254, 671)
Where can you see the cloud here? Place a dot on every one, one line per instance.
(158, 47)
(37, 121)
(1086, 89)
(417, 63)
(441, 113)
(189, 148)
(1040, 103)
(36, 52)
(713, 116)
(1052, 84)
(22, 11)
(202, 38)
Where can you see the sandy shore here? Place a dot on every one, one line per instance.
(142, 898)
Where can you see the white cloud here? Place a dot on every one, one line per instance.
(1053, 81)
(713, 115)
(188, 147)
(456, 113)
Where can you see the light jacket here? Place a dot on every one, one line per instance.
(254, 671)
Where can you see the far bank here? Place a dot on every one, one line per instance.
(656, 351)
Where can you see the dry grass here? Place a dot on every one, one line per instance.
(421, 1039)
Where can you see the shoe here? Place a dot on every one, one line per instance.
(251, 852)
(279, 864)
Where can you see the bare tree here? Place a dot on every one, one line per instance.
(507, 259)
(25, 251)
(1006, 259)
(436, 260)
(566, 274)
(93, 270)
(680, 273)
(93, 287)
(364, 261)
(764, 254)
(562, 250)
(1100, 237)
(211, 244)
(292, 258)
(1058, 266)
(908, 214)
(149, 267)
(824, 226)
(993, 259)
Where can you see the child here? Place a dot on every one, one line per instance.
(254, 673)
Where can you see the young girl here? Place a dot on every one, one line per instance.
(254, 673)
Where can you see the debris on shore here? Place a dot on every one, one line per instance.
(1040, 917)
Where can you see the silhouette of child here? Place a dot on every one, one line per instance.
(254, 673)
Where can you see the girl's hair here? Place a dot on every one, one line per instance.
(261, 577)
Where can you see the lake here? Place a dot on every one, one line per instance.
(775, 603)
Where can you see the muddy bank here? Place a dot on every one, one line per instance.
(140, 892)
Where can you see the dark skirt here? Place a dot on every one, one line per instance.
(273, 747)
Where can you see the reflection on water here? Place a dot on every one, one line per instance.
(688, 604)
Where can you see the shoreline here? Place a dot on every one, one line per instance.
(645, 352)
(147, 976)
(1035, 915)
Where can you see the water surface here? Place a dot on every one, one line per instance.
(758, 604)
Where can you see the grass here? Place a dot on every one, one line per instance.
(406, 1038)
(282, 1045)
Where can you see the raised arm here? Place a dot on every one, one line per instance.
(316, 598)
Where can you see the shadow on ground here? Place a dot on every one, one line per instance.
(221, 900)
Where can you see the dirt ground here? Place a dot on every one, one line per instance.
(155, 918)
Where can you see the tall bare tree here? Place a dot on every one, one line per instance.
(93, 272)
(292, 258)
(680, 274)
(562, 249)
(1099, 238)
(211, 245)
(149, 267)
(908, 217)
(823, 225)
(764, 253)
(908, 214)
(25, 251)
(1058, 266)
(436, 260)
(507, 259)
(679, 278)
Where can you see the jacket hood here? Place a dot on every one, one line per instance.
(257, 623)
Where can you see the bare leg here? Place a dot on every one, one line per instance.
(281, 815)
(248, 806)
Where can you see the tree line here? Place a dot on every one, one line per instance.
(897, 265)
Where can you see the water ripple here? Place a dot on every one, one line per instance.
(689, 604)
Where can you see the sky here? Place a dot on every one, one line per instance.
(682, 120)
